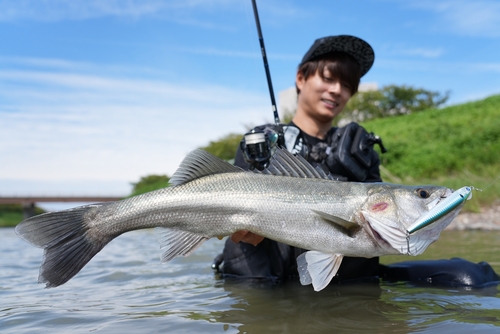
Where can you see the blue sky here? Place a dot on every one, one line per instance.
(95, 94)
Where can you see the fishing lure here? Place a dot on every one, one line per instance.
(448, 204)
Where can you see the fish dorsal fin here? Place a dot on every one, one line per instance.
(318, 268)
(284, 163)
(200, 163)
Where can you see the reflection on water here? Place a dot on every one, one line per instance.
(126, 289)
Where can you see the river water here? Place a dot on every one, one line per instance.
(125, 289)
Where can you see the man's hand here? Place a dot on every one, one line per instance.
(246, 236)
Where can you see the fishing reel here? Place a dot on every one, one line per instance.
(258, 146)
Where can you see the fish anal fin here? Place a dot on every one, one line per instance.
(177, 243)
(318, 268)
(345, 224)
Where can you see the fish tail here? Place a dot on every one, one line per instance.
(68, 241)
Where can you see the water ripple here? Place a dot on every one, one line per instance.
(125, 288)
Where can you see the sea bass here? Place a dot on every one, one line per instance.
(290, 202)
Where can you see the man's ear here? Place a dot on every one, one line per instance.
(299, 81)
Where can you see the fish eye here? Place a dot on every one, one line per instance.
(422, 193)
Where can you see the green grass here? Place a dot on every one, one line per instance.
(453, 146)
(441, 142)
(12, 214)
(8, 219)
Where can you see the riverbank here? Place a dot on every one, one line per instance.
(488, 219)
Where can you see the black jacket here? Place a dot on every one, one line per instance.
(276, 261)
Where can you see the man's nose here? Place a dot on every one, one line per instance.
(334, 87)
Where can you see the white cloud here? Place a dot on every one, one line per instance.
(421, 52)
(236, 54)
(57, 10)
(464, 17)
(62, 125)
(412, 51)
(183, 12)
(435, 66)
(195, 13)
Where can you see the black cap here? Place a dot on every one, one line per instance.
(360, 50)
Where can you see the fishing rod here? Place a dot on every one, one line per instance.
(279, 126)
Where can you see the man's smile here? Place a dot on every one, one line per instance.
(330, 103)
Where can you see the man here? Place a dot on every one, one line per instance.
(327, 77)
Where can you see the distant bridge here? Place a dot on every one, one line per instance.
(28, 202)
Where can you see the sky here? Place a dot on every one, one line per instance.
(95, 94)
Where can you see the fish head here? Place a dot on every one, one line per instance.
(390, 210)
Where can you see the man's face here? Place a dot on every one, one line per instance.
(322, 97)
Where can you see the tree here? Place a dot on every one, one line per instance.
(390, 101)
(225, 147)
(401, 100)
(362, 106)
(150, 183)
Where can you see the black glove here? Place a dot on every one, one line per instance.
(351, 152)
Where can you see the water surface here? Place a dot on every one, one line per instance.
(126, 289)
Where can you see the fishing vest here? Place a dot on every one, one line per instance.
(347, 152)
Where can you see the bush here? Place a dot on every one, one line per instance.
(150, 183)
(225, 147)
(390, 101)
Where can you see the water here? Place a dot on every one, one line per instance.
(125, 289)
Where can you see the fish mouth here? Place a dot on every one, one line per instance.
(395, 238)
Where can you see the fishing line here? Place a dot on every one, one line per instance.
(489, 185)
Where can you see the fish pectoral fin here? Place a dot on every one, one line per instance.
(348, 225)
(318, 268)
(176, 243)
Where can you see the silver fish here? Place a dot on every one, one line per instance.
(290, 202)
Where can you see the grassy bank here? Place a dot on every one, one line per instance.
(454, 146)
(12, 214)
(10, 218)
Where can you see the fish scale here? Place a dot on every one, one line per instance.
(212, 198)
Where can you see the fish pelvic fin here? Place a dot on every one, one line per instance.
(200, 163)
(64, 236)
(318, 268)
(346, 225)
(176, 243)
